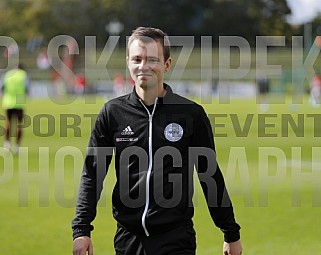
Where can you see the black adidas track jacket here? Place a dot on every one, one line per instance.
(156, 149)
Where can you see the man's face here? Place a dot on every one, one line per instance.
(146, 63)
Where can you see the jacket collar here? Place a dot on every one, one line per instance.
(134, 98)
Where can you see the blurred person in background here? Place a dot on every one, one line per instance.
(119, 85)
(315, 90)
(263, 88)
(14, 88)
(80, 84)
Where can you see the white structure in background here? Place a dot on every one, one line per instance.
(114, 28)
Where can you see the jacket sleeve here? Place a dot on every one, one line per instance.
(97, 160)
(212, 181)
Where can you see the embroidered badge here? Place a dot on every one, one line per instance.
(173, 132)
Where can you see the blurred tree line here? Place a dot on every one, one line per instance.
(44, 19)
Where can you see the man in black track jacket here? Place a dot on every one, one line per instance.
(156, 137)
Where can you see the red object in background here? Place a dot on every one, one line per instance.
(80, 83)
(316, 81)
(80, 80)
(119, 80)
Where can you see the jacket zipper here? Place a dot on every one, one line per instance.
(150, 162)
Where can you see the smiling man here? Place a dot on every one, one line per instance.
(157, 137)
(147, 61)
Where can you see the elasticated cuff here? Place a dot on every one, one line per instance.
(80, 232)
(232, 236)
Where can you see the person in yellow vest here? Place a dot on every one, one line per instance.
(14, 87)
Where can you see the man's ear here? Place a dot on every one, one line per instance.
(168, 64)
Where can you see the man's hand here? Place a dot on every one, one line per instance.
(83, 244)
(234, 248)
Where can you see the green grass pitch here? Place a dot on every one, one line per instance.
(272, 172)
